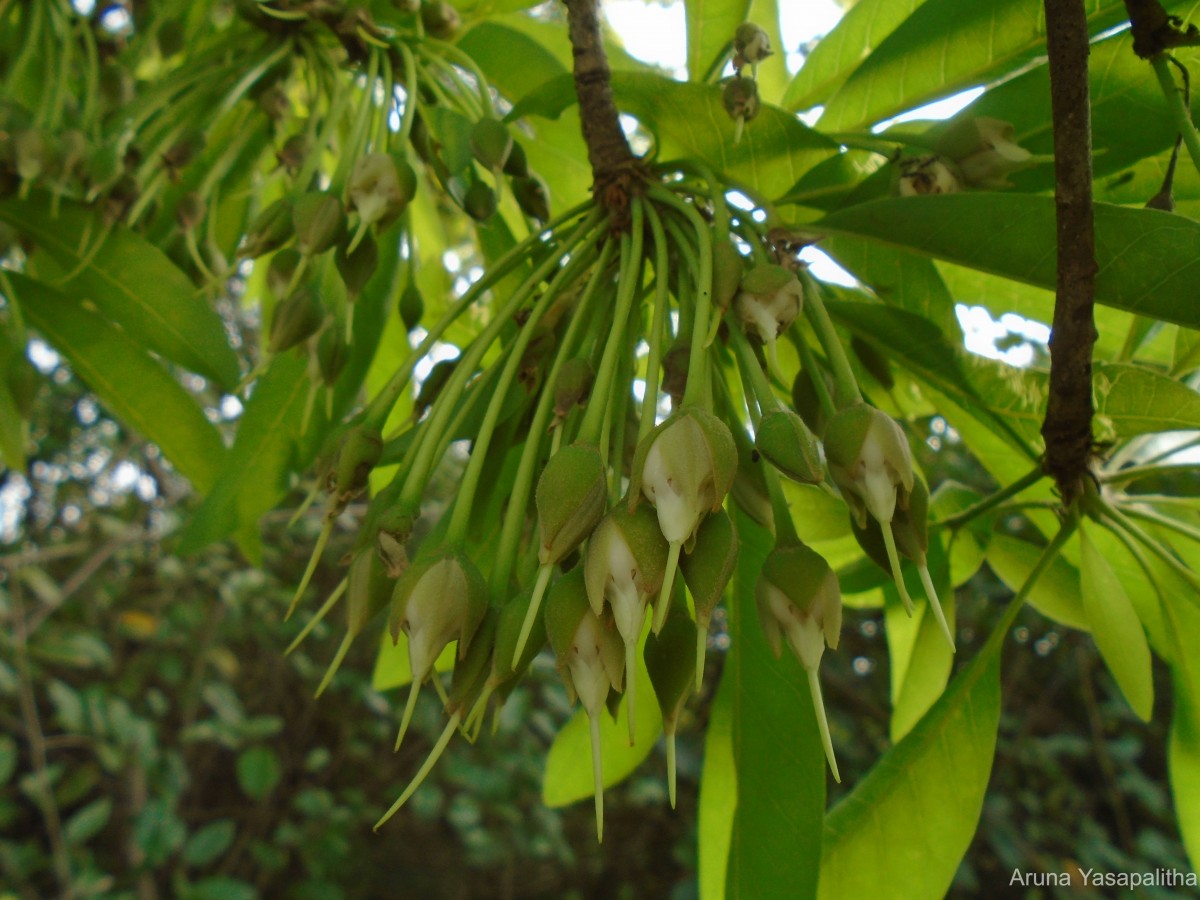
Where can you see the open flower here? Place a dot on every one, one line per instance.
(768, 302)
(984, 150)
(870, 462)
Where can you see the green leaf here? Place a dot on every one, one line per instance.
(13, 431)
(87, 823)
(718, 795)
(1133, 400)
(139, 391)
(921, 659)
(220, 888)
(777, 749)
(1056, 594)
(208, 844)
(258, 772)
(568, 776)
(944, 47)
(906, 826)
(773, 75)
(899, 278)
(254, 476)
(843, 50)
(131, 282)
(1147, 258)
(1116, 628)
(710, 28)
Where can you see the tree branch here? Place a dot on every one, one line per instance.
(615, 170)
(1068, 425)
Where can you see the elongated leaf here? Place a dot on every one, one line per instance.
(1116, 628)
(904, 828)
(568, 775)
(944, 47)
(13, 431)
(899, 278)
(781, 767)
(1132, 400)
(1056, 594)
(718, 795)
(132, 283)
(710, 27)
(254, 476)
(139, 391)
(1147, 258)
(843, 50)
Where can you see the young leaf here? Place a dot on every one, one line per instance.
(139, 391)
(1116, 628)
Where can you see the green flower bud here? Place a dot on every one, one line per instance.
(686, 468)
(356, 268)
(751, 45)
(669, 664)
(926, 175)
(294, 152)
(435, 602)
(374, 189)
(190, 211)
(807, 402)
(799, 601)
(479, 201)
(491, 143)
(512, 617)
(532, 197)
(440, 19)
(297, 318)
(516, 165)
(870, 462)
(785, 441)
(412, 305)
(319, 222)
(708, 569)
(332, 356)
(359, 454)
(769, 301)
(281, 270)
(741, 99)
(393, 529)
(270, 230)
(728, 266)
(573, 386)
(570, 498)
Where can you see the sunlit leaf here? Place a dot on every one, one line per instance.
(718, 795)
(710, 27)
(1056, 594)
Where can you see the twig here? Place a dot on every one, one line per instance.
(615, 170)
(37, 747)
(1067, 428)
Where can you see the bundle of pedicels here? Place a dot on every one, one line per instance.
(623, 390)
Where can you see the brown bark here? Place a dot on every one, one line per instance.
(1067, 428)
(616, 172)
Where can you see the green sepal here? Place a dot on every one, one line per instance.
(368, 591)
(357, 268)
(708, 568)
(297, 317)
(766, 278)
(491, 143)
(508, 629)
(570, 498)
(472, 670)
(573, 386)
(785, 441)
(447, 575)
(670, 662)
(319, 221)
(532, 197)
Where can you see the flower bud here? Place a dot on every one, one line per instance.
(374, 188)
(728, 266)
(281, 270)
(785, 441)
(294, 152)
(589, 651)
(516, 166)
(319, 222)
(741, 102)
(926, 175)
(685, 468)
(491, 143)
(412, 305)
(769, 301)
(570, 498)
(270, 230)
(870, 462)
(625, 564)
(675, 372)
(669, 665)
(751, 45)
(512, 617)
(359, 454)
(332, 356)
(440, 19)
(532, 197)
(479, 202)
(434, 602)
(706, 571)
(573, 386)
(806, 400)
(799, 601)
(357, 267)
(984, 150)
(297, 318)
